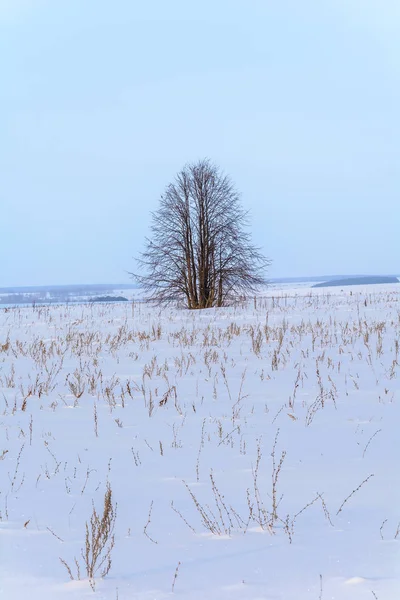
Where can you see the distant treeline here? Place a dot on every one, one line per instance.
(76, 289)
(357, 281)
(16, 299)
(109, 299)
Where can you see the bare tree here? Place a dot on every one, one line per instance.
(200, 251)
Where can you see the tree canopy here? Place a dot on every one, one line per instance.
(200, 250)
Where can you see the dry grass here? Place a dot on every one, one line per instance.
(99, 543)
(207, 380)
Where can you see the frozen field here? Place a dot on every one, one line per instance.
(249, 453)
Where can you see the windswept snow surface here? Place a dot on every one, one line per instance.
(252, 451)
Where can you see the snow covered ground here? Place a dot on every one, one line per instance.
(250, 453)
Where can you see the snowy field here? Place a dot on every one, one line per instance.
(249, 453)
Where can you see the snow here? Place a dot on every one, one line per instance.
(180, 412)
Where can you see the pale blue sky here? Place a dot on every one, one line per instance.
(102, 102)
